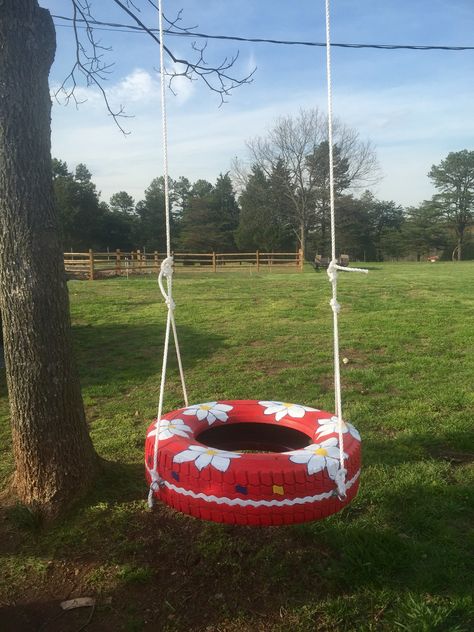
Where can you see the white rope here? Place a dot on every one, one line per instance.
(166, 272)
(333, 269)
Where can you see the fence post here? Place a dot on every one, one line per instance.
(300, 259)
(214, 262)
(257, 259)
(155, 258)
(118, 262)
(91, 265)
(139, 261)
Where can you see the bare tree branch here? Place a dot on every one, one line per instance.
(90, 64)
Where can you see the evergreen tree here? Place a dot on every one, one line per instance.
(80, 212)
(263, 223)
(210, 217)
(151, 225)
(454, 179)
(425, 228)
(122, 202)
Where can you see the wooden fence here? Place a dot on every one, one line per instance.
(93, 265)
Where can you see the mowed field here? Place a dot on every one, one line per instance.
(400, 557)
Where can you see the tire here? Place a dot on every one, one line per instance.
(203, 468)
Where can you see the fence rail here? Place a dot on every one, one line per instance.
(93, 265)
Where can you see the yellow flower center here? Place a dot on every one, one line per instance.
(211, 452)
(287, 404)
(205, 407)
(321, 452)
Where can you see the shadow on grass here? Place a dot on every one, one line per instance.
(117, 354)
(456, 447)
(402, 546)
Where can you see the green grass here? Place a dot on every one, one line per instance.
(399, 558)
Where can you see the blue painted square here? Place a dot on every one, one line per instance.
(175, 475)
(241, 489)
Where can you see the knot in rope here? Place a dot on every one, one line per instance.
(336, 307)
(167, 267)
(340, 481)
(166, 271)
(156, 483)
(332, 271)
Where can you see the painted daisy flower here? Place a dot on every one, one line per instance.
(210, 411)
(202, 457)
(167, 429)
(319, 456)
(329, 426)
(280, 409)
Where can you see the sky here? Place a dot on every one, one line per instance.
(414, 106)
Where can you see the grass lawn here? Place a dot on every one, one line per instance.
(400, 557)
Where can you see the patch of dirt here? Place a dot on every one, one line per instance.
(454, 457)
(199, 577)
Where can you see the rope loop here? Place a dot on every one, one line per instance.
(166, 271)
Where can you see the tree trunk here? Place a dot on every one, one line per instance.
(54, 457)
(460, 247)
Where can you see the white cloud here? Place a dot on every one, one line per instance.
(138, 86)
(412, 127)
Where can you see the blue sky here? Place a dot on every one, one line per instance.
(414, 106)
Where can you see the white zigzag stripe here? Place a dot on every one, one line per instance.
(223, 500)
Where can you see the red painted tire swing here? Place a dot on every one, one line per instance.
(251, 462)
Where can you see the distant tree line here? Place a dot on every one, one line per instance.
(280, 202)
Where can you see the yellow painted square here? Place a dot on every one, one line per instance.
(278, 489)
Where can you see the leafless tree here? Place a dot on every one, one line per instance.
(286, 149)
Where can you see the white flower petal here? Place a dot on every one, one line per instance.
(190, 411)
(266, 404)
(280, 415)
(152, 433)
(333, 452)
(220, 415)
(228, 455)
(354, 432)
(300, 457)
(197, 448)
(185, 455)
(180, 433)
(165, 434)
(312, 447)
(210, 418)
(274, 408)
(202, 414)
(202, 461)
(327, 443)
(326, 430)
(332, 466)
(221, 463)
(296, 411)
(316, 464)
(223, 407)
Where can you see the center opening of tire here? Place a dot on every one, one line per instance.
(254, 437)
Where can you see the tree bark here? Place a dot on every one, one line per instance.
(54, 457)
